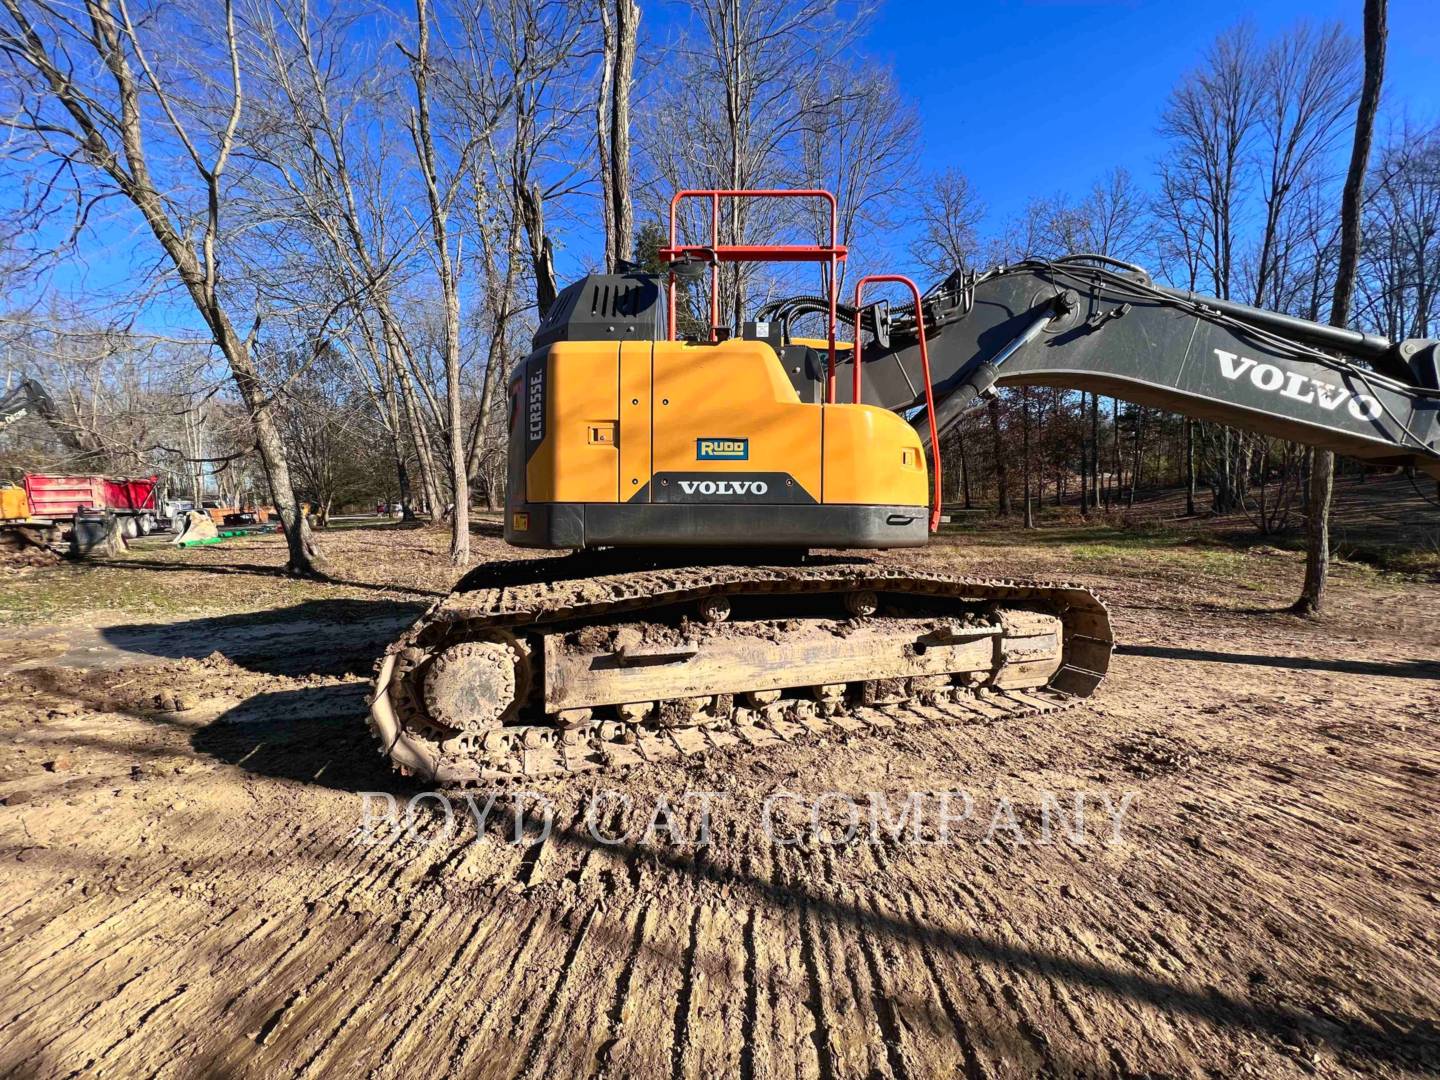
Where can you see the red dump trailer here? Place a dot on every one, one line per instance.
(59, 497)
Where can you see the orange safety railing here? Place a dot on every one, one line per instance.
(715, 253)
(900, 279)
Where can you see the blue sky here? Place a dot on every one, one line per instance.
(1030, 98)
(1027, 97)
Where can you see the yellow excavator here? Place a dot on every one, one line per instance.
(712, 494)
(19, 527)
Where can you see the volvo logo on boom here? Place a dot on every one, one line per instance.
(1297, 386)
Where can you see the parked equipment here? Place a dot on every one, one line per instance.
(19, 528)
(694, 479)
(132, 500)
(28, 398)
(14, 505)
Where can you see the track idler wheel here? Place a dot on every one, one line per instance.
(473, 685)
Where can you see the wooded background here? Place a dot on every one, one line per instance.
(366, 206)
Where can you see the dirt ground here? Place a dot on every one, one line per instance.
(188, 888)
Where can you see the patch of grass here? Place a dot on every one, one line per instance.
(337, 525)
(1419, 563)
(1188, 546)
(1173, 554)
(158, 581)
(71, 589)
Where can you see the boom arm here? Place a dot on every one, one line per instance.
(27, 397)
(1076, 324)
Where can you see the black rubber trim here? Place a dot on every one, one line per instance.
(581, 525)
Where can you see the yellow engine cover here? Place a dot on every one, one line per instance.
(672, 421)
(14, 506)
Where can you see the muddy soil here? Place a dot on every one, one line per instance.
(187, 885)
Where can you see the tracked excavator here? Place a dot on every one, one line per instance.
(715, 496)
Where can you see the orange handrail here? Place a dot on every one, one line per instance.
(900, 279)
(834, 253)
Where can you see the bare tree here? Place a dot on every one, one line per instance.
(1210, 121)
(104, 118)
(441, 191)
(1400, 280)
(742, 83)
(1308, 87)
(336, 199)
(950, 214)
(858, 140)
(627, 28)
(620, 23)
(1308, 84)
(1113, 219)
(604, 112)
(330, 426)
(537, 48)
(1322, 471)
(497, 230)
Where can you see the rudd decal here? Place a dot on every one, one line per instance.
(722, 449)
(1297, 386)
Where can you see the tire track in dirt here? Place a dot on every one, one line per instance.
(1269, 911)
(124, 937)
(304, 950)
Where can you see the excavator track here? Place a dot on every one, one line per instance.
(546, 668)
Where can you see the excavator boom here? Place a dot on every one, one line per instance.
(1078, 324)
(25, 398)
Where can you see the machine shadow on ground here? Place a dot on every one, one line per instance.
(237, 569)
(1396, 669)
(314, 637)
(1389, 1040)
(313, 735)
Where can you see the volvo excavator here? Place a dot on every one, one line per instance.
(716, 495)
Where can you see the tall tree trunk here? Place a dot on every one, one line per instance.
(1119, 481)
(1095, 450)
(604, 110)
(1139, 455)
(420, 439)
(1025, 440)
(542, 252)
(304, 559)
(449, 290)
(387, 400)
(964, 469)
(1189, 468)
(501, 302)
(1322, 473)
(627, 24)
(395, 426)
(494, 372)
(1002, 480)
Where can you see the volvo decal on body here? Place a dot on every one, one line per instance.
(1297, 386)
(723, 487)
